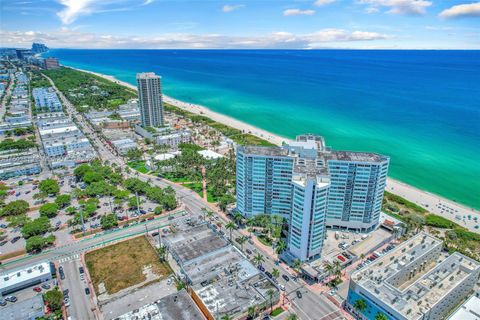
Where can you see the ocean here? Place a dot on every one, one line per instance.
(421, 108)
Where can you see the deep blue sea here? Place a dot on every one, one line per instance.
(422, 108)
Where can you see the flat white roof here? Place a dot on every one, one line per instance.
(209, 154)
(13, 277)
(470, 310)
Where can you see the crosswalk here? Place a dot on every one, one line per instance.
(69, 258)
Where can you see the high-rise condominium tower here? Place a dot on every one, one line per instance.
(150, 99)
(312, 187)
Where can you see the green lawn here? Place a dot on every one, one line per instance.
(138, 165)
(276, 312)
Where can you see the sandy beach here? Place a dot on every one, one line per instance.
(434, 203)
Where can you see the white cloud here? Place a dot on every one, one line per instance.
(233, 7)
(298, 12)
(371, 10)
(323, 2)
(69, 38)
(462, 10)
(76, 8)
(407, 7)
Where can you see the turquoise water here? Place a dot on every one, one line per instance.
(422, 108)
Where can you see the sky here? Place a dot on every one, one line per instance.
(244, 24)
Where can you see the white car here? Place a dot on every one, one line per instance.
(282, 287)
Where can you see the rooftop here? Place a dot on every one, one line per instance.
(210, 265)
(264, 151)
(12, 277)
(470, 310)
(24, 309)
(233, 296)
(356, 156)
(147, 75)
(177, 306)
(189, 244)
(412, 289)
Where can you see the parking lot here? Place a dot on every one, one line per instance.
(12, 240)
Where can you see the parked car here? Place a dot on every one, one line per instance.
(3, 243)
(87, 291)
(282, 287)
(154, 234)
(248, 251)
(15, 239)
(80, 269)
(11, 298)
(3, 302)
(299, 294)
(37, 289)
(285, 277)
(46, 286)
(65, 292)
(268, 274)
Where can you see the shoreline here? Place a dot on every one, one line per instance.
(420, 197)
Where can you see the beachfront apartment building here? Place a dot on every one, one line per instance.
(150, 99)
(358, 181)
(264, 178)
(312, 187)
(416, 281)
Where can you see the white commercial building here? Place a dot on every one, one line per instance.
(15, 280)
(415, 281)
(469, 310)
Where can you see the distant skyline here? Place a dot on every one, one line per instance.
(247, 24)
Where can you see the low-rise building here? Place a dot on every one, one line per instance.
(26, 309)
(63, 142)
(165, 136)
(15, 280)
(46, 100)
(469, 310)
(14, 163)
(177, 306)
(123, 145)
(221, 280)
(414, 281)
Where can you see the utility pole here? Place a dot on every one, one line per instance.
(83, 222)
(138, 204)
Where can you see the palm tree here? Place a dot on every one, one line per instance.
(270, 294)
(237, 217)
(360, 305)
(292, 317)
(226, 317)
(241, 241)
(381, 316)
(162, 252)
(337, 268)
(252, 312)
(230, 226)
(329, 268)
(281, 246)
(258, 259)
(275, 273)
(296, 264)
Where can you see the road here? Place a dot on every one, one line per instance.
(80, 304)
(310, 306)
(62, 253)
